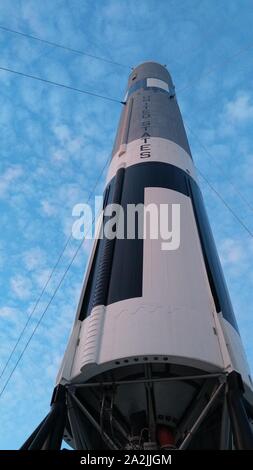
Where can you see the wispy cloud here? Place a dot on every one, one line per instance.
(240, 109)
(8, 178)
(21, 287)
(7, 312)
(232, 252)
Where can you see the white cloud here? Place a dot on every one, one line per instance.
(7, 312)
(247, 169)
(62, 132)
(74, 145)
(69, 144)
(42, 277)
(232, 252)
(53, 366)
(21, 287)
(34, 258)
(2, 258)
(240, 109)
(8, 178)
(48, 208)
(59, 155)
(236, 112)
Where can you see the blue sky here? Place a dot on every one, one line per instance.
(54, 143)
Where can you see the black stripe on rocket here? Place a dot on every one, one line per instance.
(117, 271)
(98, 283)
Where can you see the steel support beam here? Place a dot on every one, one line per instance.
(194, 408)
(44, 431)
(200, 419)
(54, 440)
(144, 380)
(80, 442)
(149, 386)
(241, 429)
(30, 439)
(105, 437)
(225, 434)
(48, 435)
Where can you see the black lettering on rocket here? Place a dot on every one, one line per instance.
(145, 147)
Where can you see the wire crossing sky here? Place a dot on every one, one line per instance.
(50, 275)
(60, 46)
(61, 85)
(55, 143)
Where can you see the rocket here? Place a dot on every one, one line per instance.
(155, 359)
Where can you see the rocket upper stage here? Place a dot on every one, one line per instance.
(159, 117)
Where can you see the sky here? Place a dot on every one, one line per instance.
(55, 142)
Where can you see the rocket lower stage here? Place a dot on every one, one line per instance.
(155, 358)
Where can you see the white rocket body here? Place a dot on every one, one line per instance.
(141, 305)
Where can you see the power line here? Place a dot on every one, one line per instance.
(34, 308)
(218, 166)
(49, 278)
(225, 203)
(62, 85)
(44, 312)
(219, 195)
(61, 46)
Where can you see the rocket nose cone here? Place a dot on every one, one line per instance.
(149, 70)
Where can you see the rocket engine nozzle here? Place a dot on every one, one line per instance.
(165, 437)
